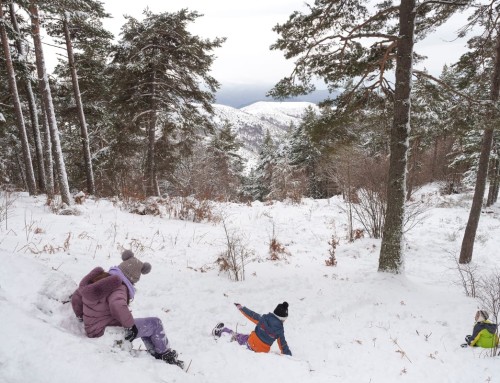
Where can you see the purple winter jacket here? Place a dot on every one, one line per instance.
(101, 304)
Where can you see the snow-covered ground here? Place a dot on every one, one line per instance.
(347, 323)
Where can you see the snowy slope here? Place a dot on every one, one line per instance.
(252, 122)
(347, 324)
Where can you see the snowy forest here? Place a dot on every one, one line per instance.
(131, 117)
(123, 146)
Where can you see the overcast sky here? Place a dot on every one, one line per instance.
(245, 57)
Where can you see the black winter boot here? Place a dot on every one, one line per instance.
(217, 331)
(170, 356)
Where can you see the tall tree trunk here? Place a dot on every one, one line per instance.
(434, 158)
(79, 105)
(414, 167)
(482, 171)
(35, 127)
(150, 159)
(49, 163)
(48, 104)
(23, 137)
(494, 179)
(150, 171)
(391, 251)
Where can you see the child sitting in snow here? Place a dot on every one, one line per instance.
(484, 332)
(269, 328)
(102, 300)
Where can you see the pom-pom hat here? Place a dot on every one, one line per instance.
(281, 311)
(132, 268)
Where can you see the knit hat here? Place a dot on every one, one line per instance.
(483, 315)
(132, 268)
(281, 311)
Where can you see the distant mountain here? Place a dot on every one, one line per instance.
(250, 123)
(239, 96)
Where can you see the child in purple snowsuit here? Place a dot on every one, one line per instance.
(102, 300)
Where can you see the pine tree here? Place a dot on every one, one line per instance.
(29, 173)
(30, 94)
(306, 151)
(484, 16)
(161, 71)
(225, 145)
(328, 42)
(48, 103)
(264, 169)
(77, 24)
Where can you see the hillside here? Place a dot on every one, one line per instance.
(347, 323)
(251, 122)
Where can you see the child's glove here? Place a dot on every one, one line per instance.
(131, 333)
(238, 306)
(464, 345)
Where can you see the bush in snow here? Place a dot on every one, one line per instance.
(183, 208)
(332, 259)
(236, 255)
(7, 199)
(277, 251)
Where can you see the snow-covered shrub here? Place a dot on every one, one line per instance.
(183, 208)
(369, 210)
(332, 259)
(7, 199)
(277, 251)
(79, 198)
(469, 278)
(236, 255)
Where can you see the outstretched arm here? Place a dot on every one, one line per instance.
(249, 314)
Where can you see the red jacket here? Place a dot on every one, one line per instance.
(102, 303)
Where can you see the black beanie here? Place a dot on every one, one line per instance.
(281, 310)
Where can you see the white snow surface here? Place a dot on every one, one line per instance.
(347, 323)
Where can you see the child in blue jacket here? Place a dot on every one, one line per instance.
(269, 327)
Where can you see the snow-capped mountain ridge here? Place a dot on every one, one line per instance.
(253, 121)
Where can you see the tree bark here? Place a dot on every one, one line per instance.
(391, 251)
(35, 126)
(23, 137)
(482, 172)
(414, 167)
(494, 180)
(48, 104)
(79, 105)
(150, 171)
(49, 163)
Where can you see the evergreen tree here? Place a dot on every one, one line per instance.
(48, 102)
(23, 138)
(484, 18)
(328, 42)
(304, 154)
(264, 169)
(78, 26)
(225, 145)
(26, 80)
(161, 79)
